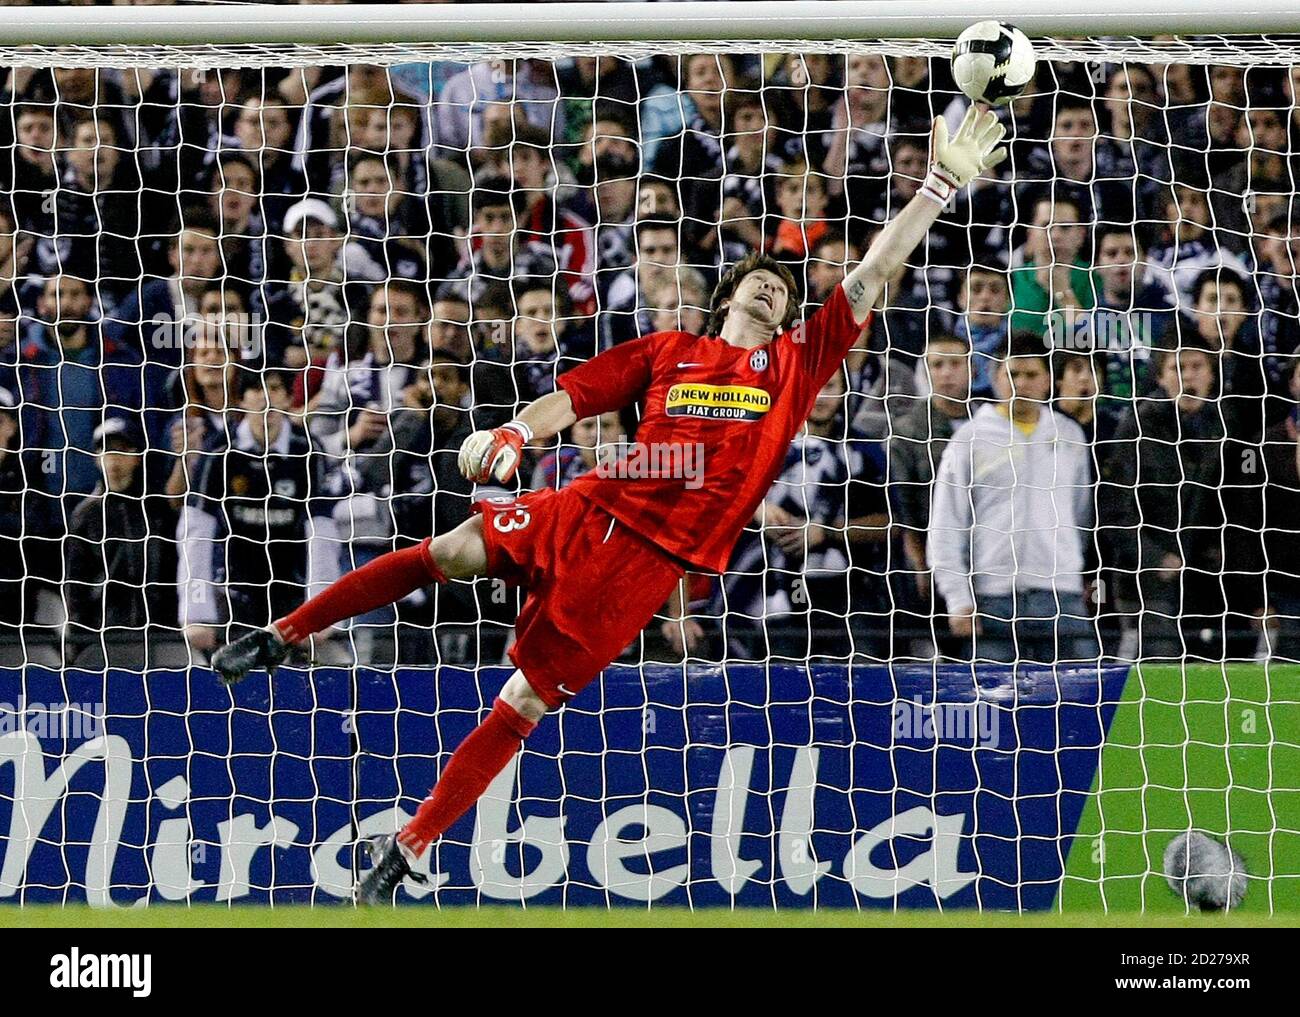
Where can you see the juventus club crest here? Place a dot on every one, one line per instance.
(758, 360)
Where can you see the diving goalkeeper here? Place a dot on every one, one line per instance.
(601, 556)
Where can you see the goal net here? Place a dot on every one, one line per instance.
(254, 296)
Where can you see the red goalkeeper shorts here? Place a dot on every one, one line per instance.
(593, 585)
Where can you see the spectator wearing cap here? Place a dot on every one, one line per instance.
(307, 318)
(112, 555)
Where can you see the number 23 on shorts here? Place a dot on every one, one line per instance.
(507, 521)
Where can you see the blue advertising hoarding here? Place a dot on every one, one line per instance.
(910, 786)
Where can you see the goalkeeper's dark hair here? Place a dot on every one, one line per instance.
(722, 293)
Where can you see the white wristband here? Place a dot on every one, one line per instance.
(938, 187)
(519, 427)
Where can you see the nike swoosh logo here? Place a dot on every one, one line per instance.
(564, 690)
(690, 365)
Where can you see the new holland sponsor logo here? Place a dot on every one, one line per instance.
(717, 402)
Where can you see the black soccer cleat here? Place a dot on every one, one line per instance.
(390, 868)
(260, 648)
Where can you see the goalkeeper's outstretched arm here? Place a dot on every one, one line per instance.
(954, 163)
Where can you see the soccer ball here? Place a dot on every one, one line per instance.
(1204, 872)
(993, 62)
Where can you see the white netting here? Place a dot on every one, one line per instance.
(554, 173)
(255, 297)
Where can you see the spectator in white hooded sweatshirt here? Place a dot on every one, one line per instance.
(1012, 509)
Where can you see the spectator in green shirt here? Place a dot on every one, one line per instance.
(1054, 276)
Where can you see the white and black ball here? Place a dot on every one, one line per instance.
(1204, 872)
(993, 62)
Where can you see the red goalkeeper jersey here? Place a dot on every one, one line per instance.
(716, 422)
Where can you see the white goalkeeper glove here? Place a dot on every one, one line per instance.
(956, 161)
(495, 453)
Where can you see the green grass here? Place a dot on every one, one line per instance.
(1209, 747)
(338, 917)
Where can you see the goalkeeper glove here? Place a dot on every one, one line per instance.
(956, 161)
(497, 452)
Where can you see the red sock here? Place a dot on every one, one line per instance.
(480, 757)
(387, 579)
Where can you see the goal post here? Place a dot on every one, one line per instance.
(703, 24)
(263, 267)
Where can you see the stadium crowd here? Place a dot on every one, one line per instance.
(248, 316)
